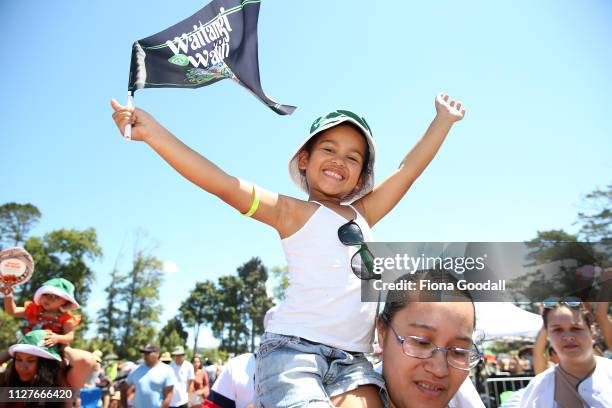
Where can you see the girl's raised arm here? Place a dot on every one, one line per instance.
(387, 194)
(199, 170)
(10, 308)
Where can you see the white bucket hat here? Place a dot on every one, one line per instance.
(58, 287)
(325, 122)
(34, 343)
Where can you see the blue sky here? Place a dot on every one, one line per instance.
(534, 77)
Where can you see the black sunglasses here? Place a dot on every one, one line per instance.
(362, 263)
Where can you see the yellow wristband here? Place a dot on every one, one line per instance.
(254, 204)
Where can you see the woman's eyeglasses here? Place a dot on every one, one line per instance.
(570, 301)
(362, 263)
(421, 348)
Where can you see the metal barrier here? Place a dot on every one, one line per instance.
(495, 386)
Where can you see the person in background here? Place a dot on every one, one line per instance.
(124, 370)
(201, 387)
(166, 358)
(211, 371)
(183, 371)
(581, 379)
(235, 386)
(151, 383)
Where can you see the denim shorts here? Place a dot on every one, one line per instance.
(293, 372)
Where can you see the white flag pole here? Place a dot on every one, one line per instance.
(127, 134)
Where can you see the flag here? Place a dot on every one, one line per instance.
(217, 42)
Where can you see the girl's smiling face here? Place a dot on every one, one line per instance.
(335, 163)
(430, 382)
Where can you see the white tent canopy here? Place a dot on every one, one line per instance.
(504, 319)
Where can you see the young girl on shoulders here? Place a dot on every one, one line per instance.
(312, 351)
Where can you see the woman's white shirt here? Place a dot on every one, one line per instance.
(595, 390)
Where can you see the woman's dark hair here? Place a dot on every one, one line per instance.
(365, 169)
(585, 314)
(49, 373)
(399, 299)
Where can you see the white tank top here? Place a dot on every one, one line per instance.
(323, 301)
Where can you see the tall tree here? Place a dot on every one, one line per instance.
(16, 221)
(230, 324)
(109, 317)
(200, 308)
(141, 298)
(256, 300)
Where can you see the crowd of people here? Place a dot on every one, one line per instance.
(410, 334)
(316, 347)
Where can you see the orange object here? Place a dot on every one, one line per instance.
(37, 317)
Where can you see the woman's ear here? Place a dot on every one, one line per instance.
(303, 157)
(380, 331)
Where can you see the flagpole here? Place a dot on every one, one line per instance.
(127, 134)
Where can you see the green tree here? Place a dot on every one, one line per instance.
(9, 327)
(597, 222)
(230, 324)
(546, 246)
(109, 317)
(255, 296)
(200, 308)
(556, 261)
(140, 295)
(63, 254)
(16, 221)
(172, 334)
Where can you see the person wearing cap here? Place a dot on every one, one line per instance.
(52, 309)
(166, 358)
(152, 383)
(184, 373)
(34, 364)
(323, 238)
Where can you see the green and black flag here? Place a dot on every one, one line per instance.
(217, 42)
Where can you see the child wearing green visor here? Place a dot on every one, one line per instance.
(313, 350)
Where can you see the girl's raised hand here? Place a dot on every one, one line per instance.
(143, 124)
(448, 109)
(6, 290)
